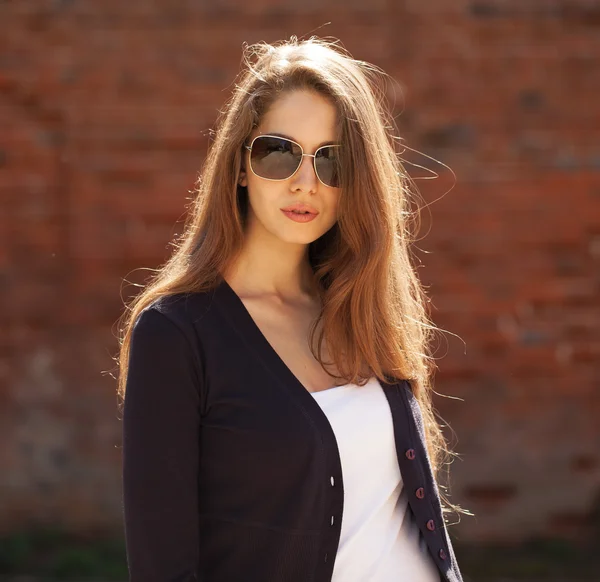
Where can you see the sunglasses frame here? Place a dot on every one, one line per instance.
(313, 156)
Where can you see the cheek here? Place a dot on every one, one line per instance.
(333, 205)
(261, 195)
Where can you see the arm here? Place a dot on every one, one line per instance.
(161, 422)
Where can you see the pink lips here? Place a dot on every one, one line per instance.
(300, 212)
(300, 207)
(298, 217)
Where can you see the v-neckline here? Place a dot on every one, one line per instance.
(265, 348)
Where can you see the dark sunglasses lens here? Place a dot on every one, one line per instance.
(274, 158)
(327, 164)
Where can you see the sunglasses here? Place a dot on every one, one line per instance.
(278, 158)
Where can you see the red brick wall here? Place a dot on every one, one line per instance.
(105, 109)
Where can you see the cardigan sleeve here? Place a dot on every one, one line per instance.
(161, 431)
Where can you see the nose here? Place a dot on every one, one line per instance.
(305, 178)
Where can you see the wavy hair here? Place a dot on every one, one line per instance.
(373, 312)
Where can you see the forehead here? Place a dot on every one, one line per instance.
(304, 116)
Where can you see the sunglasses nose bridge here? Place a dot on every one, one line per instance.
(312, 163)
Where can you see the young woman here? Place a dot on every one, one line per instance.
(252, 452)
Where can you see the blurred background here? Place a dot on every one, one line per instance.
(105, 112)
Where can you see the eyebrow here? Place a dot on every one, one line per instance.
(325, 143)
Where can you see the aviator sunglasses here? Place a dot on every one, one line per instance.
(278, 158)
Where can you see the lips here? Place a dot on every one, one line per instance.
(300, 208)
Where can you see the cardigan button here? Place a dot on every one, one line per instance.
(325, 558)
(442, 554)
(410, 454)
(420, 493)
(332, 481)
(431, 525)
(332, 520)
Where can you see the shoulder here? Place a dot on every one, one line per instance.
(181, 310)
(171, 323)
(166, 330)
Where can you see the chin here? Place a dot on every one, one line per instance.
(300, 238)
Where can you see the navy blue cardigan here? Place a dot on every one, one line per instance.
(231, 470)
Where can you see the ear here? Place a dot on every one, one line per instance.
(242, 179)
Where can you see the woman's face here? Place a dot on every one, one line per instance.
(310, 120)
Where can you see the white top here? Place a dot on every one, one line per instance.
(379, 540)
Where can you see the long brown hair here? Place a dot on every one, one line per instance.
(373, 307)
